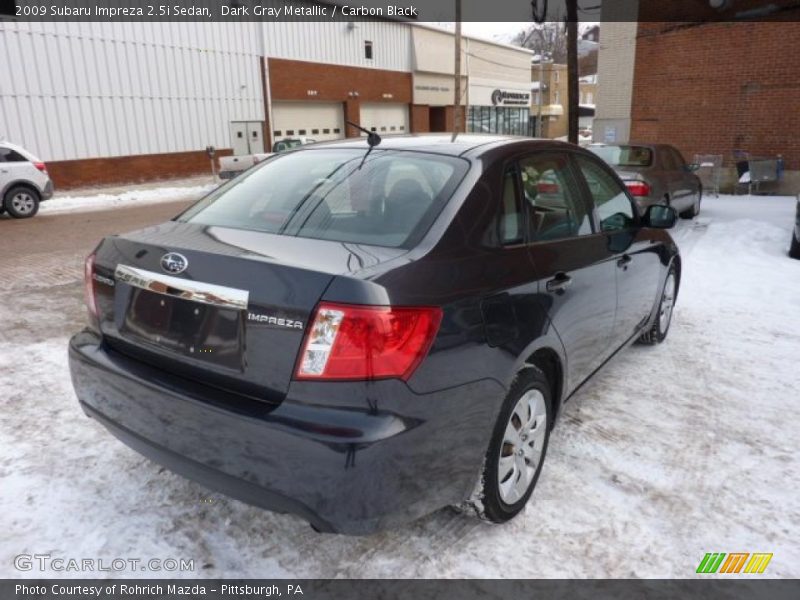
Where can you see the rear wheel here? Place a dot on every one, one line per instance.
(694, 210)
(658, 331)
(794, 249)
(517, 449)
(21, 202)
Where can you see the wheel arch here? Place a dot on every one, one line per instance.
(550, 362)
(19, 183)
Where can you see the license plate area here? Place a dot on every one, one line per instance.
(199, 331)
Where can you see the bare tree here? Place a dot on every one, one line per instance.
(545, 39)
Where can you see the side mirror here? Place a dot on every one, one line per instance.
(692, 167)
(660, 216)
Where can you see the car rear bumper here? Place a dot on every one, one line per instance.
(47, 192)
(348, 457)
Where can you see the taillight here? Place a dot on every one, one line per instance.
(638, 188)
(347, 341)
(41, 166)
(89, 285)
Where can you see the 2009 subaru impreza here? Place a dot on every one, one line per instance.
(362, 338)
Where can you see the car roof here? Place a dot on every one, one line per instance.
(438, 143)
(17, 148)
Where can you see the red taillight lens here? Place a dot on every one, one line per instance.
(347, 341)
(638, 188)
(41, 166)
(88, 286)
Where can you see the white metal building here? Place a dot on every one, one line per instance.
(107, 102)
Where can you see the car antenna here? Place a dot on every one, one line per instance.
(373, 139)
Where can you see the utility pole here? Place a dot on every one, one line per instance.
(457, 93)
(572, 70)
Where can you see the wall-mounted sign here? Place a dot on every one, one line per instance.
(499, 93)
(510, 98)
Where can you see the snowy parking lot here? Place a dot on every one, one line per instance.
(670, 452)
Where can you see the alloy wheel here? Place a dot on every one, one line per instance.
(523, 444)
(667, 303)
(23, 203)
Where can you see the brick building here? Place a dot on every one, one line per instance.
(737, 87)
(553, 94)
(706, 88)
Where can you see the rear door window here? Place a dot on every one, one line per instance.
(624, 156)
(677, 158)
(389, 200)
(552, 198)
(9, 155)
(615, 210)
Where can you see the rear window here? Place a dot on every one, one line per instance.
(284, 145)
(624, 156)
(9, 155)
(323, 194)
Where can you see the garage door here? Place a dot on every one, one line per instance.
(317, 120)
(385, 117)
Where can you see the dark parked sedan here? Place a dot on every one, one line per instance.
(655, 174)
(361, 339)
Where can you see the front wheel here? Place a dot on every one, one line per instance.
(518, 447)
(658, 331)
(794, 249)
(21, 202)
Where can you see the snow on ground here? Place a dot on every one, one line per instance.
(105, 198)
(671, 452)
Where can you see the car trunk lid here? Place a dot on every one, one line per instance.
(223, 306)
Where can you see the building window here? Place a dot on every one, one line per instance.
(368, 50)
(498, 119)
(290, 132)
(336, 130)
(555, 76)
(276, 133)
(557, 98)
(326, 131)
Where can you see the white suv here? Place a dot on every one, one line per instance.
(24, 181)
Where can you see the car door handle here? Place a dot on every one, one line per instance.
(559, 283)
(623, 262)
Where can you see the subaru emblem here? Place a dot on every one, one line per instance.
(174, 263)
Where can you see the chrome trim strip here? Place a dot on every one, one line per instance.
(196, 291)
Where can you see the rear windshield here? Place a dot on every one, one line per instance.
(286, 145)
(391, 200)
(624, 156)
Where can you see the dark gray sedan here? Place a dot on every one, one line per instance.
(655, 174)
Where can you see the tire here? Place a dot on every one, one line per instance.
(505, 489)
(660, 327)
(691, 213)
(21, 202)
(794, 249)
